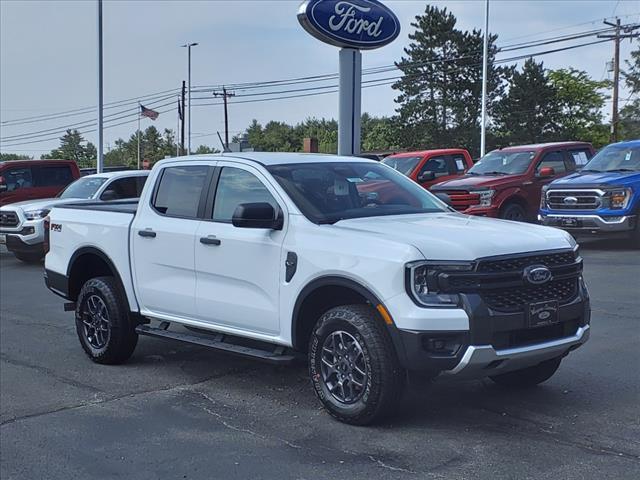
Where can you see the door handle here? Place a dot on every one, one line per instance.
(211, 240)
(147, 233)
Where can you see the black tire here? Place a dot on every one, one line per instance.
(528, 377)
(384, 383)
(108, 337)
(29, 257)
(513, 212)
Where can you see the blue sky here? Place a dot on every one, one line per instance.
(48, 61)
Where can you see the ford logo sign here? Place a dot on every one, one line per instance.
(537, 274)
(360, 24)
(570, 201)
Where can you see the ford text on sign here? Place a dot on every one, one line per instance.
(361, 24)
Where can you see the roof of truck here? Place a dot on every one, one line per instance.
(540, 146)
(279, 158)
(120, 173)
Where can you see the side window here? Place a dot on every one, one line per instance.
(17, 178)
(54, 176)
(237, 186)
(122, 188)
(140, 181)
(179, 190)
(458, 164)
(580, 156)
(554, 160)
(437, 165)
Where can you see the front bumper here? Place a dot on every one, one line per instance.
(590, 224)
(15, 244)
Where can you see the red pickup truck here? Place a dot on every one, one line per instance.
(22, 180)
(507, 183)
(429, 167)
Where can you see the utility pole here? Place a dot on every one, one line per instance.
(225, 95)
(616, 69)
(100, 159)
(485, 55)
(184, 92)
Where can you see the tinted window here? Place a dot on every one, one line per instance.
(140, 181)
(332, 191)
(54, 176)
(580, 156)
(17, 178)
(122, 188)
(179, 189)
(237, 186)
(437, 165)
(554, 160)
(458, 163)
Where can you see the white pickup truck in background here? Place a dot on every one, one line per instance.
(22, 223)
(342, 259)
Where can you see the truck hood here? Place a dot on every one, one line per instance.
(593, 179)
(40, 204)
(469, 182)
(454, 236)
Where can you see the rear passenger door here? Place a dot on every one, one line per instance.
(238, 269)
(163, 236)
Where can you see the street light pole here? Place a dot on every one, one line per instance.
(485, 55)
(188, 47)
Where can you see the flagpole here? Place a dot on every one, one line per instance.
(139, 108)
(485, 55)
(177, 130)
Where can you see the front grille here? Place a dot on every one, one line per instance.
(8, 219)
(530, 336)
(573, 199)
(512, 264)
(514, 299)
(461, 199)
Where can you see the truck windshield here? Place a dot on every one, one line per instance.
(405, 165)
(83, 188)
(332, 191)
(503, 163)
(615, 158)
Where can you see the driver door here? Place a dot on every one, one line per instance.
(439, 166)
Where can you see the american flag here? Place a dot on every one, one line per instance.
(147, 112)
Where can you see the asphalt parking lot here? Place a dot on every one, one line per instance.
(182, 412)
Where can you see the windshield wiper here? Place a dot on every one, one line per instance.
(590, 170)
(621, 170)
(495, 173)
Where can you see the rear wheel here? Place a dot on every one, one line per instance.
(29, 257)
(514, 212)
(104, 328)
(353, 365)
(528, 377)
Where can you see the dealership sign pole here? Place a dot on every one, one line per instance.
(352, 25)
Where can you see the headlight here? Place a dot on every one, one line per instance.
(485, 196)
(422, 282)
(36, 214)
(618, 198)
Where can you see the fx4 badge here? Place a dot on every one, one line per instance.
(56, 227)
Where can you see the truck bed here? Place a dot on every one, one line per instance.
(119, 206)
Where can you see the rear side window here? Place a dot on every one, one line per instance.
(140, 181)
(238, 186)
(458, 163)
(53, 176)
(123, 188)
(179, 190)
(580, 156)
(17, 178)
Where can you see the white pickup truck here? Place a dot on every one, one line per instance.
(276, 255)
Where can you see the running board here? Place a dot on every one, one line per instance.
(277, 356)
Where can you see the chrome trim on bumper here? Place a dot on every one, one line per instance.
(484, 360)
(591, 222)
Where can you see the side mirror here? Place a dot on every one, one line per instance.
(257, 215)
(426, 176)
(546, 172)
(108, 195)
(444, 197)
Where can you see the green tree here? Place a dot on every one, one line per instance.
(440, 90)
(580, 100)
(74, 147)
(203, 149)
(379, 134)
(529, 112)
(629, 126)
(13, 156)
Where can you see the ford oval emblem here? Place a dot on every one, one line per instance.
(570, 201)
(361, 24)
(537, 274)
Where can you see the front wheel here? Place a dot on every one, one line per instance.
(530, 376)
(104, 328)
(514, 212)
(353, 366)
